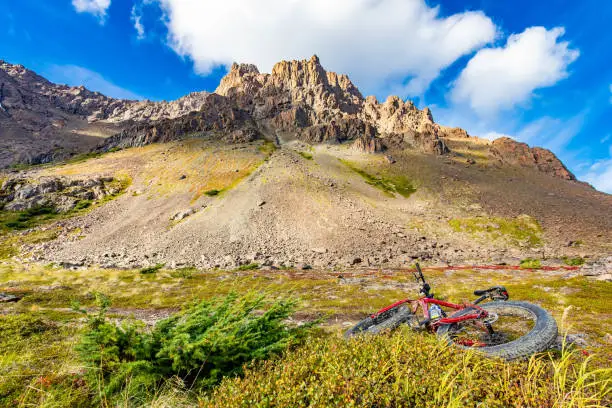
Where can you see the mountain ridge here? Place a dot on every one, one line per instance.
(298, 99)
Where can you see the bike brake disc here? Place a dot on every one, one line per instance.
(491, 318)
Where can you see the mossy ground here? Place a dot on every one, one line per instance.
(388, 184)
(306, 155)
(522, 230)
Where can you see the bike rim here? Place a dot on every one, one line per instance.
(503, 325)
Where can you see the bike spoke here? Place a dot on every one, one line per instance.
(506, 326)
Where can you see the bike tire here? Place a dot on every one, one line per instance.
(389, 321)
(538, 339)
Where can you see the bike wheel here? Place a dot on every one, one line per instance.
(519, 329)
(387, 320)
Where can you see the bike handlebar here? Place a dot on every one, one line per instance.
(425, 289)
(420, 275)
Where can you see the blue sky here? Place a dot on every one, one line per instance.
(538, 71)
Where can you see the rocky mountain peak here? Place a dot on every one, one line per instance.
(303, 81)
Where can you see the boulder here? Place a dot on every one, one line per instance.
(181, 215)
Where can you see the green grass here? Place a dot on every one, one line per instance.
(184, 273)
(388, 185)
(36, 351)
(520, 230)
(306, 155)
(530, 263)
(9, 245)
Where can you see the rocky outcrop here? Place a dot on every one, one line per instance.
(60, 193)
(512, 152)
(453, 132)
(216, 114)
(368, 144)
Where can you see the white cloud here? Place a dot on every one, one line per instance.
(552, 133)
(75, 76)
(600, 175)
(378, 42)
(137, 20)
(500, 78)
(96, 7)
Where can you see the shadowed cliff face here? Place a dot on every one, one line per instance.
(41, 121)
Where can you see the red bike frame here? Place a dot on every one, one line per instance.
(425, 301)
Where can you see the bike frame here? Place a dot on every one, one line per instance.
(424, 302)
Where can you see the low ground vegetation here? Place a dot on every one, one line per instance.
(530, 263)
(522, 230)
(576, 261)
(409, 369)
(306, 155)
(387, 184)
(44, 362)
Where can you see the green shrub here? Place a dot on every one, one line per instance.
(267, 148)
(530, 263)
(27, 218)
(577, 261)
(152, 269)
(207, 341)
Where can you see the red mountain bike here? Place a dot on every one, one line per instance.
(499, 328)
